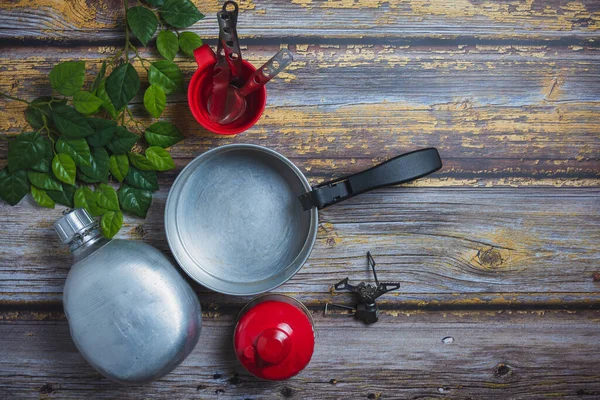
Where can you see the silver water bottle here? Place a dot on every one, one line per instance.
(131, 315)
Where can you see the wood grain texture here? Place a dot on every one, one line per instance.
(492, 355)
(325, 19)
(503, 244)
(496, 253)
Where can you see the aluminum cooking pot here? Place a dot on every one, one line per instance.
(242, 219)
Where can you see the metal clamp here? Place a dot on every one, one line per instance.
(324, 195)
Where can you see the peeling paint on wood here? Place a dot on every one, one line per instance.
(78, 19)
(511, 125)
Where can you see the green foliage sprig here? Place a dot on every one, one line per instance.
(83, 137)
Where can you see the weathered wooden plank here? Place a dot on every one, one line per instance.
(499, 115)
(328, 19)
(325, 75)
(492, 355)
(450, 247)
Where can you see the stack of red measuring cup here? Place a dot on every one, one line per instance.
(229, 89)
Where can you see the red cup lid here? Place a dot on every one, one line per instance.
(274, 339)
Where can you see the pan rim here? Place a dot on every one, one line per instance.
(192, 269)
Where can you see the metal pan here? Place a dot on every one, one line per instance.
(242, 219)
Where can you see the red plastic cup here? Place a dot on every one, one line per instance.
(200, 90)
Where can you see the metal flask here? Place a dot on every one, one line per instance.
(131, 314)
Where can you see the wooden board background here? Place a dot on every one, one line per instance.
(496, 251)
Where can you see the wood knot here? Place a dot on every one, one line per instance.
(47, 389)
(490, 258)
(201, 387)
(333, 381)
(287, 392)
(328, 233)
(235, 379)
(212, 311)
(219, 391)
(596, 277)
(373, 396)
(503, 371)
(138, 232)
(217, 376)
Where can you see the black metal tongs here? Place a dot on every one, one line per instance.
(366, 310)
(229, 60)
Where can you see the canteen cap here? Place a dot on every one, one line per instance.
(74, 222)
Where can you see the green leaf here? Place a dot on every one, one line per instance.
(40, 107)
(106, 103)
(188, 42)
(106, 197)
(82, 177)
(180, 13)
(77, 149)
(167, 44)
(141, 162)
(135, 201)
(86, 103)
(160, 158)
(25, 151)
(67, 77)
(85, 198)
(34, 117)
(104, 130)
(41, 197)
(155, 100)
(146, 180)
(44, 164)
(98, 169)
(63, 168)
(42, 180)
(13, 186)
(65, 196)
(156, 3)
(167, 75)
(111, 223)
(122, 141)
(163, 134)
(143, 23)
(99, 78)
(119, 166)
(70, 123)
(122, 85)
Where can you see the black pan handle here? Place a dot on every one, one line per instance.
(404, 168)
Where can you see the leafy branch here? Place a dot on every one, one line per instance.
(77, 140)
